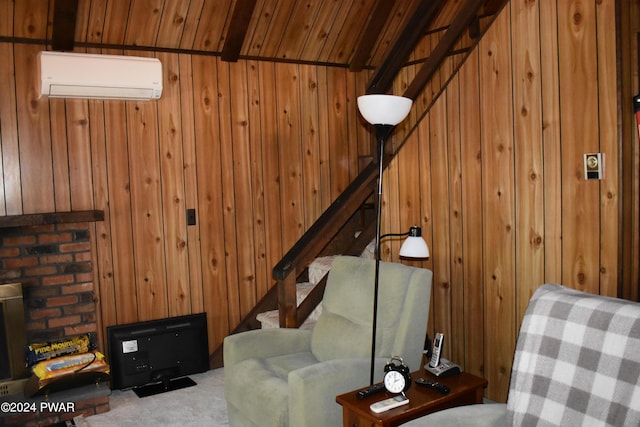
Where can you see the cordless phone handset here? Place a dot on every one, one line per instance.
(437, 350)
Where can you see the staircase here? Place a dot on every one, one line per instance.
(317, 271)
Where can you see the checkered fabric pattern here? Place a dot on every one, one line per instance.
(577, 361)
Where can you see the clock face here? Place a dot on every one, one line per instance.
(394, 381)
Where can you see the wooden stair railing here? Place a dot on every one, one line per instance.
(354, 248)
(295, 262)
(311, 244)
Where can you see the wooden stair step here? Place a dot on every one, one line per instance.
(317, 270)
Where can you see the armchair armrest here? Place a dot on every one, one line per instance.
(313, 390)
(262, 343)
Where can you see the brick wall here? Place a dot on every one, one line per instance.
(53, 263)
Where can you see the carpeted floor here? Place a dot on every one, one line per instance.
(197, 406)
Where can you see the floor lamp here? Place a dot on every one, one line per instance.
(384, 112)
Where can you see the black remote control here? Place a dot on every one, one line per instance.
(370, 390)
(441, 388)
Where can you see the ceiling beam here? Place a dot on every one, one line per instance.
(237, 29)
(64, 24)
(377, 21)
(413, 31)
(460, 24)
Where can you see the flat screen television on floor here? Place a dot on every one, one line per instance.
(158, 355)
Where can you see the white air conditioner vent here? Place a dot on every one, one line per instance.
(91, 76)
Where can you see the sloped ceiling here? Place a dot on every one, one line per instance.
(359, 34)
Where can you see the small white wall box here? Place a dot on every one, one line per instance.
(594, 166)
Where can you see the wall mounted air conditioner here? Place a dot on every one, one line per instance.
(79, 75)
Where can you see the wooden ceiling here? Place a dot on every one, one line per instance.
(359, 34)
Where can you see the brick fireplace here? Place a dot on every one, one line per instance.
(51, 256)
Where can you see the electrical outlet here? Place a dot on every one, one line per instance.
(594, 166)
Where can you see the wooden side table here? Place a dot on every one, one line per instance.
(465, 389)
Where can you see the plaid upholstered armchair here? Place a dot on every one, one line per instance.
(577, 363)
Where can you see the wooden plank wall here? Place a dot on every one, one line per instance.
(494, 173)
(225, 140)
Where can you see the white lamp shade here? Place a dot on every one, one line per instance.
(384, 109)
(414, 247)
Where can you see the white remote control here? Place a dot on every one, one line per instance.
(390, 403)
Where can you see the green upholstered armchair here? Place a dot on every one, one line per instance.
(290, 377)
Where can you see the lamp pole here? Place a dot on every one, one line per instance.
(382, 131)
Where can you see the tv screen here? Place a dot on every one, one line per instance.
(157, 355)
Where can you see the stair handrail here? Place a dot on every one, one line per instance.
(309, 246)
(314, 240)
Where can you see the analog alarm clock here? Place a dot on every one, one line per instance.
(397, 378)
